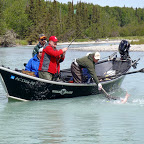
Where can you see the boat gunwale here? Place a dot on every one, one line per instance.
(58, 83)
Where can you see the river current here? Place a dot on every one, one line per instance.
(81, 120)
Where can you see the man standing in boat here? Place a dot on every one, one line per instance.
(42, 43)
(85, 62)
(49, 67)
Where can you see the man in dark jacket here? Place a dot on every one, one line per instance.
(42, 43)
(85, 62)
(33, 63)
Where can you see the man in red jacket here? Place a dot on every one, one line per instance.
(49, 67)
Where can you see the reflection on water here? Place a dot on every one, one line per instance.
(81, 120)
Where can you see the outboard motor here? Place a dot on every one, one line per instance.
(124, 49)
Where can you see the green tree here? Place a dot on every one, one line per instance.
(2, 22)
(36, 11)
(16, 18)
(29, 18)
(95, 29)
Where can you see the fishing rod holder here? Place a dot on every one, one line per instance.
(134, 63)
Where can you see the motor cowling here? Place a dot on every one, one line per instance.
(124, 49)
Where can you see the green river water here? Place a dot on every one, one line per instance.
(81, 120)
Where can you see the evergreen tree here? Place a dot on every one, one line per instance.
(16, 18)
(2, 22)
(54, 27)
(95, 24)
(79, 20)
(69, 31)
(36, 11)
(29, 18)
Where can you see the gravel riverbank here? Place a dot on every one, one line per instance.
(109, 48)
(104, 48)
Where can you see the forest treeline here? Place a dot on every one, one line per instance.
(29, 18)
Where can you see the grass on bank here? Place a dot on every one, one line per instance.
(141, 41)
(134, 40)
(82, 40)
(21, 42)
(24, 42)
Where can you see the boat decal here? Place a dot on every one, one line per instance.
(62, 91)
(12, 77)
(22, 80)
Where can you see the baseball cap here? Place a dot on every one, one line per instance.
(97, 55)
(41, 49)
(53, 38)
(42, 36)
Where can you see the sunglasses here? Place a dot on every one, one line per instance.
(55, 42)
(43, 39)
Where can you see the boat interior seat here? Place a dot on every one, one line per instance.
(111, 68)
(66, 75)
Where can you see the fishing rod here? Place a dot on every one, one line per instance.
(110, 57)
(77, 36)
(73, 40)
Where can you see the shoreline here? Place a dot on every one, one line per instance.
(113, 47)
(91, 42)
(109, 48)
(104, 48)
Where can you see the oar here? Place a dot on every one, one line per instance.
(141, 70)
(111, 97)
(108, 96)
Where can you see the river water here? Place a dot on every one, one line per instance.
(81, 120)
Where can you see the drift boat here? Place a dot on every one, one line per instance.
(24, 87)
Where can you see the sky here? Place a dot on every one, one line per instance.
(111, 3)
